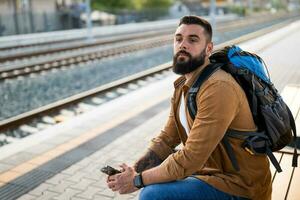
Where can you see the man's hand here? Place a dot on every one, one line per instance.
(123, 182)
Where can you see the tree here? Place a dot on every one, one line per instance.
(278, 4)
(112, 4)
(130, 4)
(156, 3)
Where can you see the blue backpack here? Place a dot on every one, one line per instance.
(273, 118)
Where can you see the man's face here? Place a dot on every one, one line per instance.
(190, 48)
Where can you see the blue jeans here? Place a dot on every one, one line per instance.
(188, 189)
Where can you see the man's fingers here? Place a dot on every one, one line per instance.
(116, 187)
(124, 167)
(111, 178)
(121, 192)
(131, 169)
(108, 179)
(112, 184)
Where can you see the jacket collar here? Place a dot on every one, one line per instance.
(179, 81)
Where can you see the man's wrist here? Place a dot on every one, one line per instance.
(138, 181)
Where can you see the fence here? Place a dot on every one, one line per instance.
(28, 22)
(34, 22)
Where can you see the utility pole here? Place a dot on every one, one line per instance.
(212, 13)
(16, 20)
(250, 4)
(25, 11)
(89, 21)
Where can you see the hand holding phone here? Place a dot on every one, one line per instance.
(110, 170)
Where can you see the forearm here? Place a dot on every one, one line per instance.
(155, 175)
(148, 161)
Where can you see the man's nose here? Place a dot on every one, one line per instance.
(183, 45)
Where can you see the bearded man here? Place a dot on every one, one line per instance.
(201, 169)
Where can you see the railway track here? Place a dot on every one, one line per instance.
(72, 55)
(18, 127)
(79, 57)
(76, 44)
(18, 52)
(80, 38)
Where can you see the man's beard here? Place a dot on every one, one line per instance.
(188, 65)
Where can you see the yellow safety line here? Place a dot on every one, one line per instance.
(27, 166)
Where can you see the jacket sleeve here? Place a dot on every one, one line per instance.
(164, 144)
(217, 104)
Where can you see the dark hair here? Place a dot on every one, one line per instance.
(193, 19)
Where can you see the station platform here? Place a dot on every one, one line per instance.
(63, 162)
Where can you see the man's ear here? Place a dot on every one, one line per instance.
(209, 48)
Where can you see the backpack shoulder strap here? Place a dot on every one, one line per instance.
(192, 93)
(293, 126)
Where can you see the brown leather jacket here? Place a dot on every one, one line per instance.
(222, 104)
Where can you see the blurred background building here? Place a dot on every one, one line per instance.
(30, 16)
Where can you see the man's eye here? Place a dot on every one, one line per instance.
(178, 39)
(193, 40)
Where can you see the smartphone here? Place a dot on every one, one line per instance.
(109, 170)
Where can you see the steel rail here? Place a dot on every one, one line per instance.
(15, 121)
(70, 60)
(84, 44)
